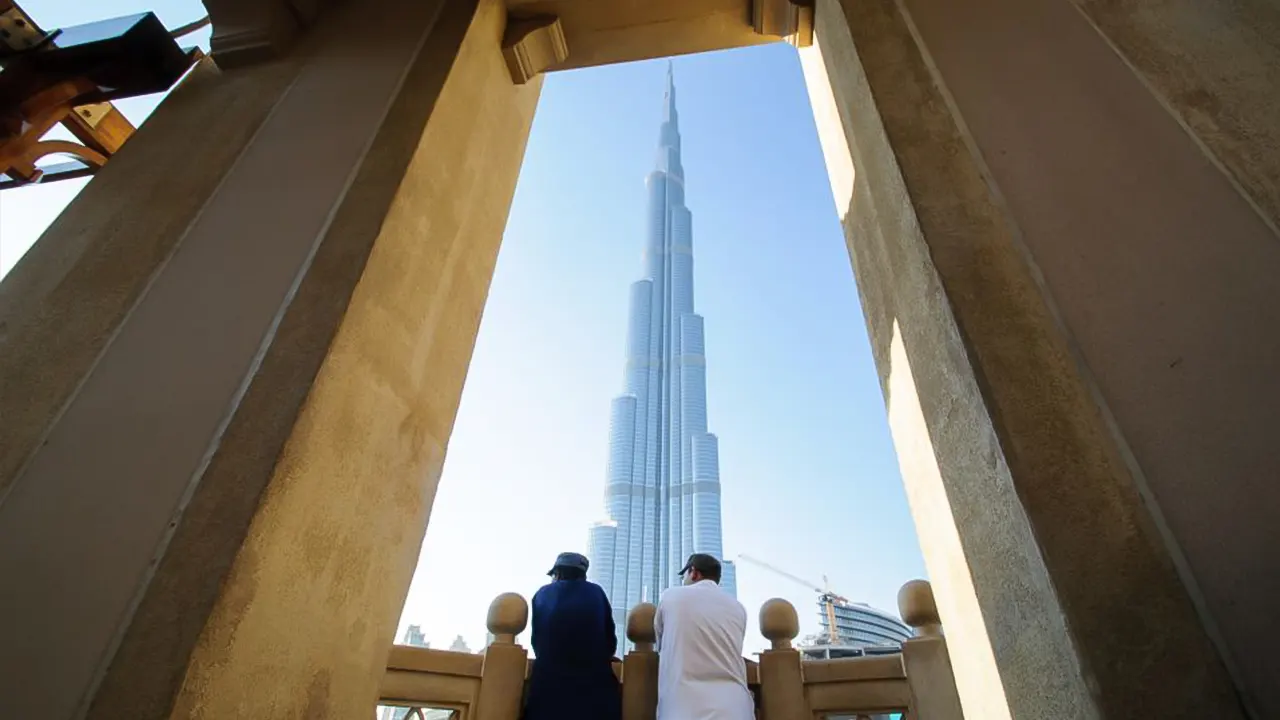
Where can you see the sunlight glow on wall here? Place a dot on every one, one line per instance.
(835, 147)
(974, 663)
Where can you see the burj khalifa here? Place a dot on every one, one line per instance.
(662, 492)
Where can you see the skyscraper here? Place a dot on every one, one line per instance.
(662, 492)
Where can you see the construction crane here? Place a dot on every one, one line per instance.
(826, 598)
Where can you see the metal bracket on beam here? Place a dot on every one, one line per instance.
(532, 45)
(69, 77)
(17, 31)
(791, 20)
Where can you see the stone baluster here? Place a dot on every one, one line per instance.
(924, 657)
(505, 662)
(640, 668)
(781, 679)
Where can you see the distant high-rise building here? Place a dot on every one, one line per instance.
(729, 577)
(662, 493)
(413, 636)
(459, 645)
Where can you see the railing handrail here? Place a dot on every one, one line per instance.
(856, 685)
(430, 660)
(429, 678)
(917, 680)
(854, 669)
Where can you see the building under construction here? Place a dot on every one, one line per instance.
(851, 629)
(848, 629)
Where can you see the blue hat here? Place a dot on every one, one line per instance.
(570, 560)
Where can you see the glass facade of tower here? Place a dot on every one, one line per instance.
(662, 485)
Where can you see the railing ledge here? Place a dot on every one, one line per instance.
(442, 662)
(854, 669)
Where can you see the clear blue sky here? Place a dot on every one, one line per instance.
(810, 480)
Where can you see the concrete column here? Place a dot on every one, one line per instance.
(1059, 589)
(243, 371)
(1145, 186)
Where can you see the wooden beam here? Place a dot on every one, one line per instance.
(101, 127)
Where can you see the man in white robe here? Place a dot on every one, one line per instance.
(701, 629)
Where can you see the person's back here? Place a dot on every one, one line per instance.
(701, 671)
(574, 641)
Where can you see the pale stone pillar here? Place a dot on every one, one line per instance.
(781, 677)
(924, 657)
(640, 666)
(240, 369)
(505, 662)
(1059, 595)
(1136, 149)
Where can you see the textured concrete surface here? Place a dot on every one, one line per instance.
(1215, 63)
(314, 596)
(160, 459)
(903, 301)
(60, 305)
(61, 308)
(1053, 582)
(1163, 274)
(189, 578)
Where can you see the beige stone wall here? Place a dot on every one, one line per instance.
(1213, 64)
(74, 545)
(1161, 270)
(317, 288)
(1054, 581)
(64, 300)
(315, 594)
(944, 436)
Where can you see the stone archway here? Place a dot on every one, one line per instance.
(255, 349)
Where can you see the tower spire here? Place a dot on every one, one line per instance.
(669, 106)
(668, 159)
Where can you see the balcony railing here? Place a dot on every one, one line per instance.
(917, 681)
